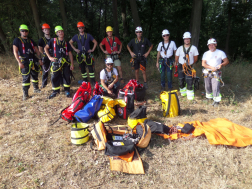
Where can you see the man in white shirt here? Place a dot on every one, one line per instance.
(109, 78)
(212, 61)
(166, 49)
(186, 56)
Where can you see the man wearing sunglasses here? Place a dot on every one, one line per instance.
(166, 49)
(41, 45)
(84, 57)
(139, 54)
(109, 78)
(24, 50)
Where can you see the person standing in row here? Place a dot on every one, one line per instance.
(111, 45)
(166, 49)
(84, 57)
(139, 54)
(213, 60)
(41, 45)
(24, 50)
(61, 68)
(186, 56)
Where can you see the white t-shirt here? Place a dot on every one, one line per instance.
(103, 74)
(193, 52)
(215, 58)
(170, 50)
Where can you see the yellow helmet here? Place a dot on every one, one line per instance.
(109, 28)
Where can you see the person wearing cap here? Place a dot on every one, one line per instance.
(186, 56)
(212, 61)
(24, 50)
(111, 49)
(140, 53)
(84, 56)
(61, 68)
(41, 45)
(109, 78)
(165, 50)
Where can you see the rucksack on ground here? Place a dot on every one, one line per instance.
(170, 103)
(138, 116)
(79, 133)
(99, 134)
(128, 96)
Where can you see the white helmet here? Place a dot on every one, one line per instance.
(138, 29)
(211, 41)
(187, 35)
(165, 32)
(109, 61)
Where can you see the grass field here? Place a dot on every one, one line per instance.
(34, 154)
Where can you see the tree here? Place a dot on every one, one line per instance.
(3, 39)
(36, 17)
(63, 15)
(123, 13)
(134, 11)
(196, 21)
(115, 18)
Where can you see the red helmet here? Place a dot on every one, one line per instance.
(45, 26)
(80, 24)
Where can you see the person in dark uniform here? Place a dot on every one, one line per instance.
(139, 53)
(61, 68)
(24, 50)
(84, 57)
(41, 45)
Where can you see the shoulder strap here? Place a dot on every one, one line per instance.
(113, 38)
(85, 37)
(164, 46)
(54, 46)
(23, 46)
(188, 50)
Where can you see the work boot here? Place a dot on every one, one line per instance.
(215, 104)
(145, 85)
(25, 93)
(162, 89)
(54, 94)
(67, 93)
(36, 88)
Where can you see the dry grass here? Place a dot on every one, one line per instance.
(37, 155)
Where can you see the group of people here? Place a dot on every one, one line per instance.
(55, 54)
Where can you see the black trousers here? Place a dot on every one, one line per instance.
(86, 63)
(59, 76)
(45, 69)
(28, 73)
(185, 79)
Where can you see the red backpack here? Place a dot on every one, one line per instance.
(97, 89)
(85, 87)
(137, 88)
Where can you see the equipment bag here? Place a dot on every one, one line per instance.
(97, 89)
(89, 110)
(137, 88)
(156, 127)
(99, 134)
(119, 147)
(144, 133)
(68, 113)
(138, 116)
(128, 96)
(79, 133)
(170, 103)
(85, 88)
(188, 128)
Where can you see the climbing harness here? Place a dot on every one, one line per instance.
(217, 74)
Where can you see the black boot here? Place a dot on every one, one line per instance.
(54, 94)
(25, 93)
(92, 82)
(36, 88)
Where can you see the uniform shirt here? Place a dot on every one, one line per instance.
(170, 50)
(29, 52)
(60, 47)
(111, 44)
(215, 58)
(139, 47)
(42, 43)
(103, 74)
(193, 52)
(80, 41)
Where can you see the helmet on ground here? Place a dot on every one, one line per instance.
(80, 24)
(23, 27)
(58, 28)
(109, 28)
(138, 29)
(109, 61)
(165, 32)
(187, 35)
(211, 41)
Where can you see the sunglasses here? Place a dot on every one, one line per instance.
(81, 28)
(139, 32)
(165, 35)
(109, 64)
(24, 30)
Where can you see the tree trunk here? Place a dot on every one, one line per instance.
(99, 23)
(36, 17)
(105, 17)
(134, 11)
(115, 18)
(3, 39)
(123, 13)
(152, 8)
(229, 27)
(195, 21)
(63, 14)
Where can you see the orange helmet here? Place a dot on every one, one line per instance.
(45, 26)
(80, 24)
